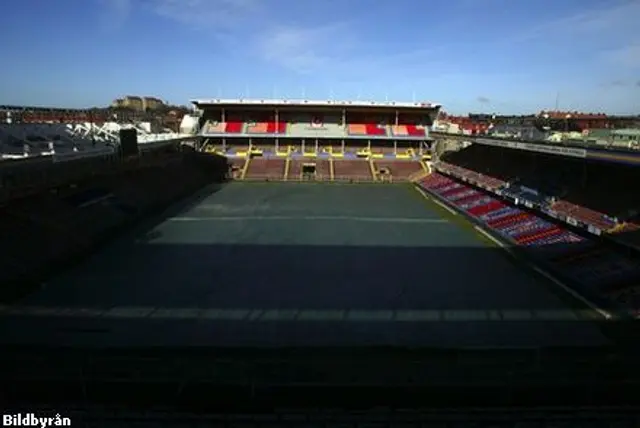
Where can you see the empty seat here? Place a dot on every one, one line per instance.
(269, 127)
(368, 129)
(272, 168)
(352, 170)
(407, 131)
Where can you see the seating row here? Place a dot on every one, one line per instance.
(593, 194)
(328, 169)
(598, 269)
(312, 129)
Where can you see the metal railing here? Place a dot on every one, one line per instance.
(315, 178)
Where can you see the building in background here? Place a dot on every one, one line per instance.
(138, 103)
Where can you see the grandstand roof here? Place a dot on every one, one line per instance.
(316, 103)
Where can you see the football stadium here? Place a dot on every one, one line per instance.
(277, 246)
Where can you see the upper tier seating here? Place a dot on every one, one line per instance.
(407, 131)
(229, 127)
(268, 127)
(598, 269)
(367, 130)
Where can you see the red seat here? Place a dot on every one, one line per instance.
(535, 236)
(414, 131)
(375, 130)
(276, 127)
(504, 221)
(484, 209)
(234, 127)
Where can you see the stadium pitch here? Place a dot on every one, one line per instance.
(297, 264)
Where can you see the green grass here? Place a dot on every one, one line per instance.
(457, 219)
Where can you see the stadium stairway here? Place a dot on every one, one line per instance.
(245, 168)
(418, 176)
(323, 167)
(372, 167)
(295, 171)
(287, 166)
(598, 271)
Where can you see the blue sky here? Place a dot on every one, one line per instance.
(505, 56)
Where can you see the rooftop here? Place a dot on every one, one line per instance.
(319, 103)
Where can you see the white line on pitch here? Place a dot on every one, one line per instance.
(287, 315)
(440, 204)
(311, 218)
(602, 312)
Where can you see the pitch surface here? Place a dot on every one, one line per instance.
(265, 264)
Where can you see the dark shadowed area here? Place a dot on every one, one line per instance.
(266, 264)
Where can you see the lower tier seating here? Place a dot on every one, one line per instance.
(595, 194)
(359, 170)
(272, 168)
(600, 270)
(399, 169)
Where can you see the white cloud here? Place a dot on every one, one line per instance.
(333, 48)
(626, 56)
(116, 13)
(617, 21)
(337, 51)
(604, 34)
(205, 14)
(303, 49)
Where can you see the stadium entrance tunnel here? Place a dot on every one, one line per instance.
(309, 170)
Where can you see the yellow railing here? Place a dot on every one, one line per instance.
(372, 167)
(245, 168)
(417, 176)
(287, 165)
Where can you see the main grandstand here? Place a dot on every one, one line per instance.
(306, 225)
(319, 140)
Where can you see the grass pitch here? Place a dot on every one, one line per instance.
(303, 264)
